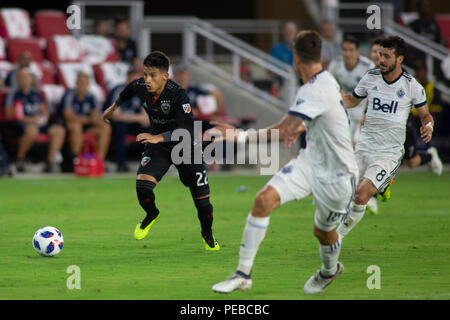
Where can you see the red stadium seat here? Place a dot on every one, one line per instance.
(47, 71)
(15, 23)
(443, 21)
(62, 49)
(111, 74)
(49, 23)
(18, 46)
(98, 49)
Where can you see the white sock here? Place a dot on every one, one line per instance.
(329, 255)
(254, 232)
(354, 216)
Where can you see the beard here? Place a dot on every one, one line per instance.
(389, 69)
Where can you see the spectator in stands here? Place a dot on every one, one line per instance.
(26, 106)
(203, 109)
(374, 51)
(101, 28)
(426, 24)
(331, 48)
(283, 51)
(126, 46)
(130, 118)
(23, 61)
(434, 101)
(82, 115)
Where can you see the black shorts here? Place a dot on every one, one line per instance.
(410, 144)
(156, 160)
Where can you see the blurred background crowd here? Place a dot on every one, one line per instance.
(236, 64)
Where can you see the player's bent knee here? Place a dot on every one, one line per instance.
(325, 237)
(267, 199)
(146, 177)
(144, 190)
(203, 205)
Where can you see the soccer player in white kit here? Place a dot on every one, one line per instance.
(348, 71)
(326, 169)
(391, 92)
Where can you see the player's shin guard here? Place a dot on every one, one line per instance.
(329, 255)
(355, 215)
(146, 197)
(205, 215)
(254, 233)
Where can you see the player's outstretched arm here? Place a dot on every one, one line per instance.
(108, 113)
(288, 130)
(426, 130)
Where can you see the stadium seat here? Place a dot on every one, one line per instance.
(49, 23)
(15, 23)
(67, 76)
(61, 49)
(5, 66)
(52, 94)
(443, 21)
(18, 46)
(47, 73)
(111, 74)
(98, 49)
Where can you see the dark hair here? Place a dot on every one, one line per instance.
(351, 39)
(308, 46)
(157, 59)
(376, 42)
(396, 43)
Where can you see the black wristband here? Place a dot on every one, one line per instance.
(167, 136)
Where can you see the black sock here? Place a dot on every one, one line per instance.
(206, 221)
(146, 197)
(424, 158)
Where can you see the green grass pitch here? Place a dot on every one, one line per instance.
(409, 240)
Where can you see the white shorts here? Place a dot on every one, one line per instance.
(379, 171)
(296, 181)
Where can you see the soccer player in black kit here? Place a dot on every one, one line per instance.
(168, 108)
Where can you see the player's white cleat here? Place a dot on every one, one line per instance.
(237, 281)
(435, 163)
(372, 206)
(317, 283)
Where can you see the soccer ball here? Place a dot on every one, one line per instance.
(48, 241)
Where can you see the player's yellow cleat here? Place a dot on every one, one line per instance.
(213, 244)
(386, 195)
(139, 233)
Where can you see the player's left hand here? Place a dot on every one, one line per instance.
(149, 138)
(426, 133)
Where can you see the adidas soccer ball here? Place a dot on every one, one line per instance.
(48, 241)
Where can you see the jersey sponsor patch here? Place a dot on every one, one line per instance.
(186, 108)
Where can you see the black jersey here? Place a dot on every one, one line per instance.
(170, 111)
